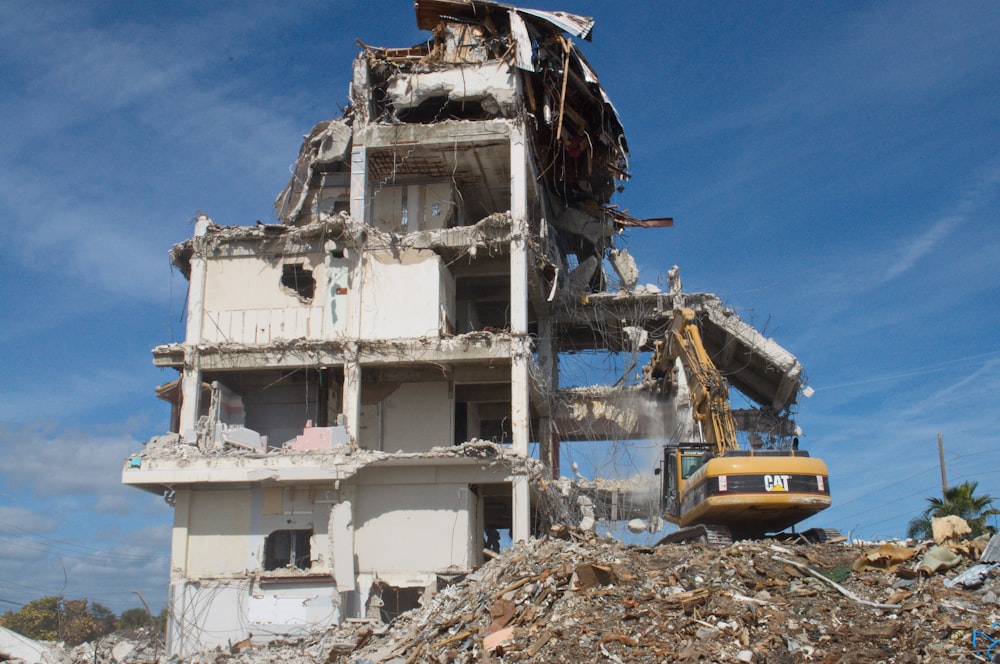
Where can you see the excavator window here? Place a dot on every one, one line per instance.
(689, 464)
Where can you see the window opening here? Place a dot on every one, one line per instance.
(295, 277)
(287, 548)
(392, 601)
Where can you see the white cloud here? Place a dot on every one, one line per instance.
(20, 520)
(53, 462)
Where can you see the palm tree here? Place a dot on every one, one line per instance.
(959, 501)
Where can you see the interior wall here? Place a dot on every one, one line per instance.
(430, 522)
(218, 533)
(407, 208)
(245, 301)
(336, 302)
(280, 411)
(406, 296)
(417, 417)
(410, 417)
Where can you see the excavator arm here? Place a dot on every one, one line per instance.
(709, 390)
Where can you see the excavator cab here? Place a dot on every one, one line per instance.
(680, 462)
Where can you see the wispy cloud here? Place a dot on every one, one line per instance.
(981, 192)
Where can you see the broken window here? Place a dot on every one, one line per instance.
(287, 548)
(392, 601)
(299, 280)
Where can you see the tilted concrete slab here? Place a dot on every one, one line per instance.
(755, 365)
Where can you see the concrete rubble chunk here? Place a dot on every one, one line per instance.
(949, 528)
(18, 648)
(625, 267)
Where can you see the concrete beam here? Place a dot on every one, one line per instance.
(448, 132)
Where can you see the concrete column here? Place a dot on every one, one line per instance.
(352, 396)
(356, 255)
(359, 183)
(519, 291)
(548, 364)
(520, 529)
(191, 379)
(520, 350)
(341, 527)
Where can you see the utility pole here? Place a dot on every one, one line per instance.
(944, 479)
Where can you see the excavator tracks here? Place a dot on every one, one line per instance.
(716, 534)
(704, 533)
(815, 536)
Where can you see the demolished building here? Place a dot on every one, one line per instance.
(361, 382)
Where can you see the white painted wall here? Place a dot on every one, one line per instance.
(206, 614)
(413, 418)
(246, 303)
(292, 608)
(210, 614)
(404, 527)
(406, 297)
(218, 534)
(294, 508)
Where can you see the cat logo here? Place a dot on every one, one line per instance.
(776, 482)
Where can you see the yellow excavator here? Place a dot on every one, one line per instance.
(712, 489)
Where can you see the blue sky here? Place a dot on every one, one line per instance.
(833, 169)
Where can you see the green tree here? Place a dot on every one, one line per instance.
(38, 619)
(133, 619)
(76, 625)
(58, 619)
(161, 621)
(105, 618)
(958, 501)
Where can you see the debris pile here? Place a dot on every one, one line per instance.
(573, 597)
(587, 599)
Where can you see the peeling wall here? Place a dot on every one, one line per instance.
(220, 613)
(408, 208)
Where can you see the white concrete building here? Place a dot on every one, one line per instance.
(360, 381)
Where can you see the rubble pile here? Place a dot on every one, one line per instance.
(574, 597)
(754, 601)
